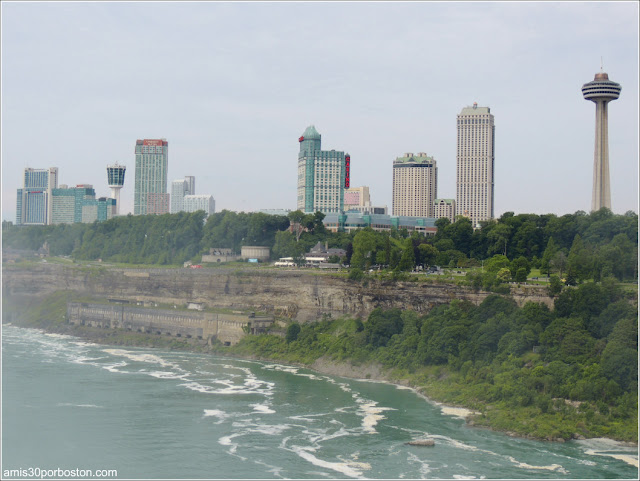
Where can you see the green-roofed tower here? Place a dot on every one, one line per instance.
(322, 175)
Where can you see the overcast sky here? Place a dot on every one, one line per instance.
(232, 86)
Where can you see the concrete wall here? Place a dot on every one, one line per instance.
(227, 328)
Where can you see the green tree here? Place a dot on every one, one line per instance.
(407, 261)
(364, 244)
(521, 263)
(496, 263)
(559, 262)
(499, 238)
(555, 285)
(292, 332)
(549, 253)
(381, 325)
(427, 254)
(579, 260)
(297, 218)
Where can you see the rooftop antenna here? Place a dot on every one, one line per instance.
(601, 67)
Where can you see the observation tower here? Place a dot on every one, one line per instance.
(115, 177)
(601, 91)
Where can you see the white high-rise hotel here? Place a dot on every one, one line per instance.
(415, 185)
(475, 164)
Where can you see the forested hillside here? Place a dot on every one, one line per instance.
(576, 247)
(564, 373)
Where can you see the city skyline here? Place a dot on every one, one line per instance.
(237, 84)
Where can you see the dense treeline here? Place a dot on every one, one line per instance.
(516, 364)
(576, 246)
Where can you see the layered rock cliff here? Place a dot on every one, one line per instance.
(297, 294)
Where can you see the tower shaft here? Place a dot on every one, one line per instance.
(601, 196)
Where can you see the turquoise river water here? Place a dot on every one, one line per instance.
(158, 414)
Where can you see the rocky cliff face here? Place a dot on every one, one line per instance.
(300, 295)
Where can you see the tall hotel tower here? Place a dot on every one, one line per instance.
(475, 164)
(34, 201)
(415, 185)
(115, 179)
(322, 175)
(601, 91)
(151, 173)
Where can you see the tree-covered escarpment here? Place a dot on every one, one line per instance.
(565, 373)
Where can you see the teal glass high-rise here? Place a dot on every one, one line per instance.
(322, 175)
(152, 160)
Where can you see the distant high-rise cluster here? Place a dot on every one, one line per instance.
(322, 175)
(180, 188)
(184, 198)
(475, 164)
(152, 159)
(601, 91)
(41, 201)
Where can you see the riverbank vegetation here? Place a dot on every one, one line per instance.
(561, 374)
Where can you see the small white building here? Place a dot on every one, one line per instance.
(192, 203)
(255, 252)
(445, 208)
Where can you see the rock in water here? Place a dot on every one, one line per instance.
(422, 442)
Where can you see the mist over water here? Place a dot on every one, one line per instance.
(166, 414)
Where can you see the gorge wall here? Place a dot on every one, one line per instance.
(297, 294)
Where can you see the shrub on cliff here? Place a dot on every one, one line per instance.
(292, 332)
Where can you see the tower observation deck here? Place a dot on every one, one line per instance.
(601, 91)
(115, 179)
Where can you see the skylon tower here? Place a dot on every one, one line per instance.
(601, 91)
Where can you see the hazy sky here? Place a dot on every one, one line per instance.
(232, 86)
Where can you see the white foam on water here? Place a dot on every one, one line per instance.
(215, 412)
(313, 377)
(262, 408)
(268, 429)
(58, 336)
(85, 360)
(233, 447)
(371, 414)
(351, 469)
(165, 374)
(627, 458)
(610, 448)
(140, 357)
(275, 470)
(424, 468)
(462, 476)
(306, 417)
(80, 405)
(112, 367)
(551, 467)
(281, 367)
